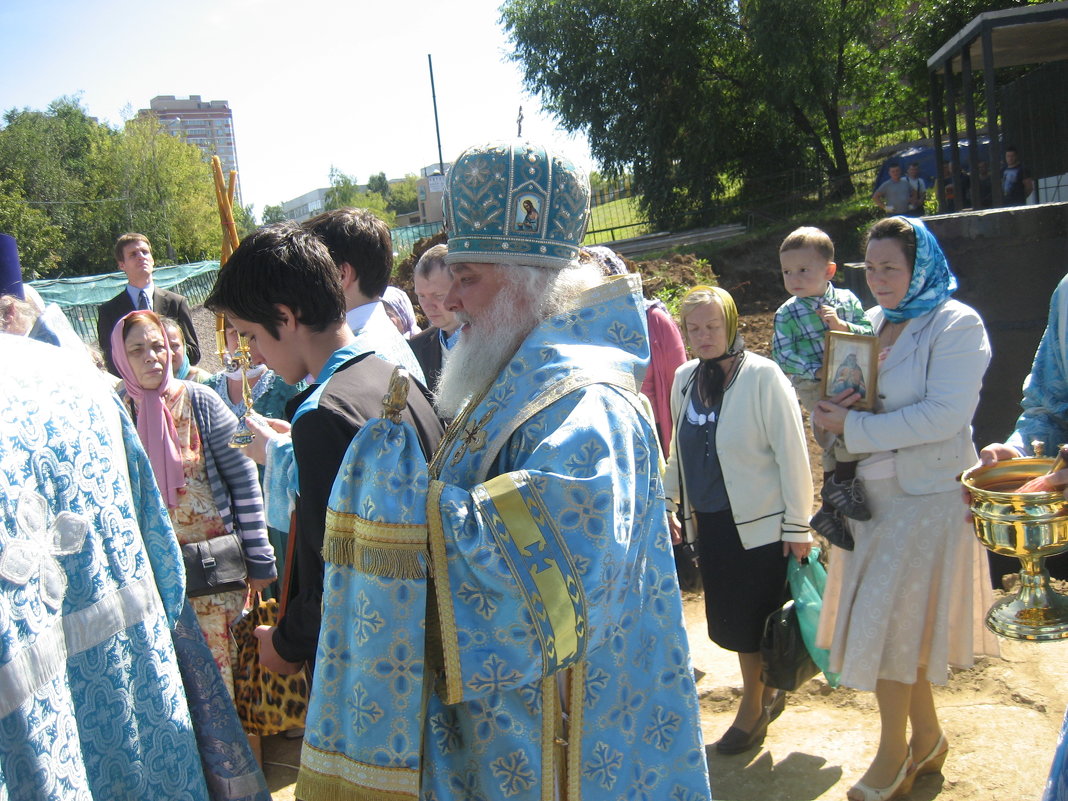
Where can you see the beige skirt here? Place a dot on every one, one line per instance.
(914, 592)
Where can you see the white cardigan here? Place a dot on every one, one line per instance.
(928, 389)
(760, 441)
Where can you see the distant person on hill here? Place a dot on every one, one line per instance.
(917, 190)
(801, 324)
(893, 194)
(1016, 181)
(949, 188)
(133, 252)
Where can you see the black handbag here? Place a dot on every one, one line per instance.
(786, 663)
(214, 566)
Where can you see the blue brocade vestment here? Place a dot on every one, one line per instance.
(509, 626)
(91, 700)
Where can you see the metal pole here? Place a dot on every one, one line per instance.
(992, 128)
(954, 137)
(434, 97)
(968, 92)
(936, 140)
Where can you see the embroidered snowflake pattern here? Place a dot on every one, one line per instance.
(363, 708)
(495, 676)
(365, 619)
(661, 731)
(626, 338)
(484, 601)
(465, 786)
(605, 765)
(680, 793)
(514, 773)
(596, 682)
(34, 550)
(446, 730)
(490, 718)
(643, 782)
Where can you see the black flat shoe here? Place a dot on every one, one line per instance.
(777, 705)
(736, 741)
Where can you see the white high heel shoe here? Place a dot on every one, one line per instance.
(933, 762)
(901, 784)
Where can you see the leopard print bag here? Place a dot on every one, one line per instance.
(267, 702)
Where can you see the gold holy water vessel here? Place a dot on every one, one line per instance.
(1029, 526)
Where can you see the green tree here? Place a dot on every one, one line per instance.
(344, 192)
(918, 36)
(380, 184)
(403, 195)
(39, 241)
(696, 96)
(273, 214)
(170, 196)
(244, 219)
(88, 183)
(53, 158)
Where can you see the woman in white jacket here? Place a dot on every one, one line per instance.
(739, 480)
(900, 607)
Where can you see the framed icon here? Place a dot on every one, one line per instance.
(850, 361)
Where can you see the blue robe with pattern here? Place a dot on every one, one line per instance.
(92, 702)
(510, 626)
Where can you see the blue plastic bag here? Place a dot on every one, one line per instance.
(806, 585)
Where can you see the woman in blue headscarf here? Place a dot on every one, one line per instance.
(907, 602)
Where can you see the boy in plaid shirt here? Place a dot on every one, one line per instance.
(807, 260)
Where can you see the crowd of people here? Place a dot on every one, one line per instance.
(907, 194)
(481, 585)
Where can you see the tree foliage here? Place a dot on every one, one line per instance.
(344, 192)
(70, 185)
(698, 96)
(379, 183)
(404, 195)
(273, 214)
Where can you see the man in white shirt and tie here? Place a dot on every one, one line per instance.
(133, 252)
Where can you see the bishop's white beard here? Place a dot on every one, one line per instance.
(485, 347)
(528, 296)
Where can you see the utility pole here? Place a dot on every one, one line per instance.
(434, 97)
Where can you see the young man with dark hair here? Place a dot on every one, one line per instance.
(282, 291)
(361, 247)
(133, 252)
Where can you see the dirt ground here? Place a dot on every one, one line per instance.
(1001, 717)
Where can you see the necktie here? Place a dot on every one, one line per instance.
(142, 301)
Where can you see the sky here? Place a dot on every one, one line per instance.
(311, 83)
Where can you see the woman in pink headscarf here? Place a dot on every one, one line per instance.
(210, 489)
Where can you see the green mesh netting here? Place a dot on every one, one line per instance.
(80, 297)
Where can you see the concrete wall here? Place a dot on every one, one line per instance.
(1007, 262)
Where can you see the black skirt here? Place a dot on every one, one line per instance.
(741, 587)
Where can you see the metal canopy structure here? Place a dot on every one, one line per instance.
(1011, 38)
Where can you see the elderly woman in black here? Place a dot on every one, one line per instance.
(739, 479)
